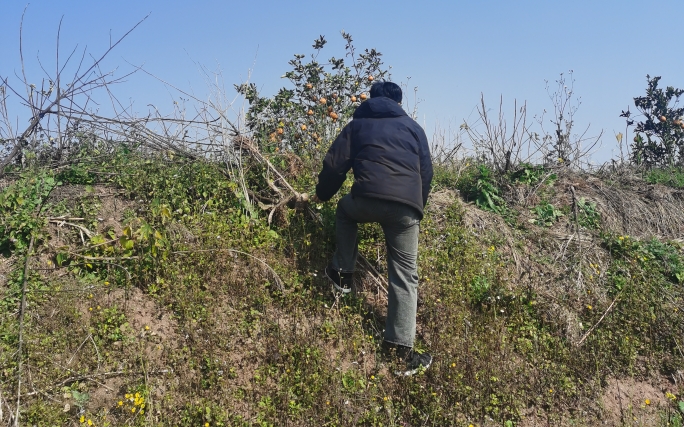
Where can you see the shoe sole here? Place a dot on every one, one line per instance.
(335, 285)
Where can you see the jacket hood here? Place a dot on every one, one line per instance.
(379, 108)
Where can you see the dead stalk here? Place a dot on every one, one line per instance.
(21, 329)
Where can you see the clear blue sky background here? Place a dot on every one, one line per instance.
(452, 50)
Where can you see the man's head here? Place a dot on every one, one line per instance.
(387, 89)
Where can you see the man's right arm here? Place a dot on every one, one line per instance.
(336, 164)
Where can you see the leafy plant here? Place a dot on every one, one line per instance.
(546, 213)
(19, 203)
(588, 216)
(659, 139)
(110, 324)
(485, 191)
(322, 98)
(479, 290)
(529, 174)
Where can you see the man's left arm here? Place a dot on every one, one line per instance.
(425, 165)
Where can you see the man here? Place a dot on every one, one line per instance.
(389, 154)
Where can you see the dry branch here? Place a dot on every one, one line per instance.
(21, 329)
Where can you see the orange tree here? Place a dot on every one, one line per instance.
(304, 118)
(659, 139)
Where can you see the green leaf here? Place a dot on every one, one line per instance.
(61, 257)
(126, 243)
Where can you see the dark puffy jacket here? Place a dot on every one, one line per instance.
(388, 152)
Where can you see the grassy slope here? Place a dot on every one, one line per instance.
(181, 310)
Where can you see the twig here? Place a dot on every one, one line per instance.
(64, 218)
(280, 204)
(380, 280)
(92, 378)
(99, 359)
(81, 228)
(78, 349)
(277, 278)
(597, 323)
(21, 329)
(104, 258)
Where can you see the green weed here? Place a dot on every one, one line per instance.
(672, 177)
(546, 214)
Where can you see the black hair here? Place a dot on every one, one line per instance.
(387, 89)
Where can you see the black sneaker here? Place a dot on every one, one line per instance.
(414, 360)
(342, 282)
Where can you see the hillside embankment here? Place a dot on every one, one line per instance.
(156, 295)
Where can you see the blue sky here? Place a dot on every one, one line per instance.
(451, 50)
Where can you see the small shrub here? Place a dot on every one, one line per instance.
(546, 214)
(484, 191)
(529, 174)
(671, 177)
(588, 216)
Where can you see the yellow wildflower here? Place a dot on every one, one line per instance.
(82, 419)
(90, 422)
(647, 401)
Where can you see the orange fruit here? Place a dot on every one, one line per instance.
(329, 108)
(353, 98)
(309, 86)
(280, 131)
(323, 100)
(334, 95)
(662, 118)
(371, 78)
(333, 115)
(363, 96)
(303, 127)
(310, 112)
